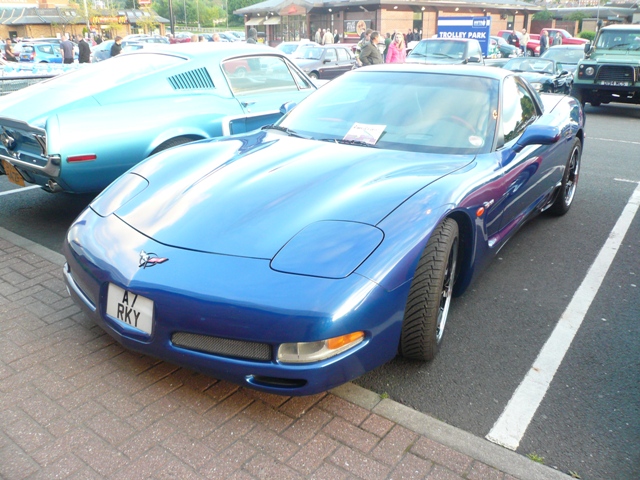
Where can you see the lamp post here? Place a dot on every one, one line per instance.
(172, 20)
(185, 13)
(86, 14)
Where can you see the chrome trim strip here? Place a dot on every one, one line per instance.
(51, 169)
(71, 282)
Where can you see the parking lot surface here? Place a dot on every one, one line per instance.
(74, 404)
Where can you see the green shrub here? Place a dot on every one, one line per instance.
(589, 35)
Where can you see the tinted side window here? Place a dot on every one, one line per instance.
(254, 74)
(518, 109)
(343, 55)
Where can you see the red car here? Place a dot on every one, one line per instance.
(567, 38)
(533, 47)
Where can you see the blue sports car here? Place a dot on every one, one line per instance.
(297, 257)
(78, 132)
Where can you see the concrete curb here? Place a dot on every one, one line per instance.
(477, 448)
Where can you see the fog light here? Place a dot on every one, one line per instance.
(306, 352)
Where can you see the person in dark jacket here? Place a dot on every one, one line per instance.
(84, 51)
(8, 51)
(370, 55)
(116, 48)
(253, 36)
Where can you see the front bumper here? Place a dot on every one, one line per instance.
(240, 301)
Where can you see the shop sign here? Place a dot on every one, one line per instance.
(355, 28)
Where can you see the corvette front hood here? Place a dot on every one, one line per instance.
(247, 196)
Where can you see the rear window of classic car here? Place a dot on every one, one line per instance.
(250, 74)
(434, 113)
(121, 69)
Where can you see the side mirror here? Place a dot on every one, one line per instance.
(326, 61)
(537, 135)
(474, 59)
(287, 107)
(588, 49)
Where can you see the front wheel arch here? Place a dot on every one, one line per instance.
(174, 142)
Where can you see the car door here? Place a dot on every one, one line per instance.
(329, 68)
(345, 60)
(529, 174)
(262, 84)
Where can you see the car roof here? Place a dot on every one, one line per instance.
(468, 70)
(441, 39)
(225, 49)
(634, 26)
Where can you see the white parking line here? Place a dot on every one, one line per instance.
(18, 190)
(514, 420)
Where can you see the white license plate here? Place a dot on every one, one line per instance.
(129, 308)
(615, 84)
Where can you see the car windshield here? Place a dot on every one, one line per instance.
(528, 64)
(288, 48)
(438, 48)
(565, 55)
(619, 40)
(309, 53)
(433, 113)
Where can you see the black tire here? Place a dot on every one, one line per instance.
(172, 142)
(314, 75)
(577, 93)
(564, 198)
(240, 72)
(530, 53)
(595, 103)
(430, 294)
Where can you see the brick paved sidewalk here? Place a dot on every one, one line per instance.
(74, 404)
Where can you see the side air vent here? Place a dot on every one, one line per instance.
(195, 79)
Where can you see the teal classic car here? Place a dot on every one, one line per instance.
(79, 131)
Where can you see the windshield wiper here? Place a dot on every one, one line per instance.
(358, 143)
(286, 130)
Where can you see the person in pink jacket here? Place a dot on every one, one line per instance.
(397, 51)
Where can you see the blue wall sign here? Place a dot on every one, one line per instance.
(478, 28)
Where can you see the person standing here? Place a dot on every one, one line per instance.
(66, 50)
(370, 55)
(544, 42)
(253, 36)
(328, 38)
(8, 51)
(84, 51)
(318, 38)
(387, 41)
(557, 39)
(512, 39)
(336, 36)
(116, 48)
(397, 51)
(526, 38)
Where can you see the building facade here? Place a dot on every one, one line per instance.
(38, 18)
(293, 20)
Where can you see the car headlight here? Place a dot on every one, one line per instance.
(589, 71)
(307, 352)
(118, 193)
(328, 249)
(537, 86)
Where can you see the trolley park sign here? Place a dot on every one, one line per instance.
(478, 28)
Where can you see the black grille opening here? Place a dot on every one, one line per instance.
(616, 73)
(223, 346)
(277, 382)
